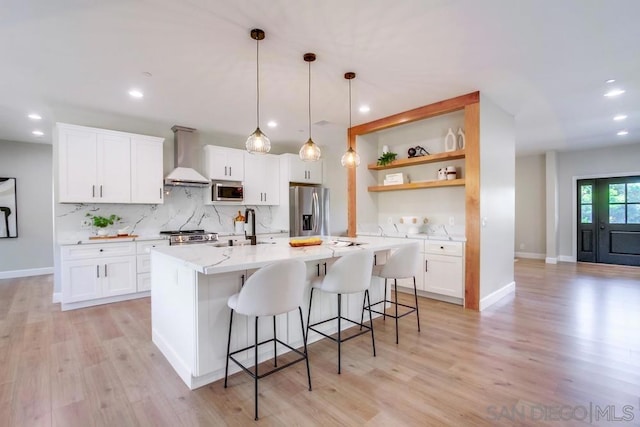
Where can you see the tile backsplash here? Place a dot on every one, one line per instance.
(183, 209)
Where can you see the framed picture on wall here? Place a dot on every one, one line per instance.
(8, 208)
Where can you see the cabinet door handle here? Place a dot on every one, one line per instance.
(242, 280)
(160, 193)
(230, 173)
(375, 259)
(97, 271)
(100, 190)
(93, 191)
(105, 270)
(325, 268)
(318, 268)
(426, 265)
(265, 197)
(225, 171)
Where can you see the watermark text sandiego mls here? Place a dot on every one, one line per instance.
(591, 412)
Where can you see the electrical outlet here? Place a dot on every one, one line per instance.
(390, 221)
(452, 221)
(85, 223)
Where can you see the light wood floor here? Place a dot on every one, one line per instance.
(566, 343)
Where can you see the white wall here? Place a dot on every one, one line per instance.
(611, 161)
(30, 164)
(497, 197)
(530, 203)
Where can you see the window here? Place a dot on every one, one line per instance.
(624, 203)
(586, 203)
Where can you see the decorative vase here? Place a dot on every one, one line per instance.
(450, 141)
(103, 232)
(461, 139)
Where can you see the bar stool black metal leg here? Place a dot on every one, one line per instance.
(364, 302)
(384, 304)
(306, 353)
(373, 341)
(306, 337)
(256, 369)
(275, 344)
(339, 317)
(226, 367)
(395, 286)
(415, 293)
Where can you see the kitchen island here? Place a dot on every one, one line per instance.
(190, 286)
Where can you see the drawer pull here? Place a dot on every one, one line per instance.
(98, 271)
(441, 247)
(101, 250)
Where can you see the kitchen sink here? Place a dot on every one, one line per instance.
(225, 243)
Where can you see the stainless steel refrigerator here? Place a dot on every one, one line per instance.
(308, 211)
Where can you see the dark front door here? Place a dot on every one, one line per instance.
(609, 220)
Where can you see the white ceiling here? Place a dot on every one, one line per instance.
(544, 61)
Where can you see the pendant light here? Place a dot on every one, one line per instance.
(258, 142)
(350, 159)
(310, 152)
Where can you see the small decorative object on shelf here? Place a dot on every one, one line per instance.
(393, 179)
(387, 158)
(461, 139)
(450, 141)
(417, 151)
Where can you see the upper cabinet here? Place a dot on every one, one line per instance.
(261, 179)
(146, 170)
(103, 166)
(224, 163)
(303, 172)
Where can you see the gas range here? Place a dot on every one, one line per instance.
(186, 237)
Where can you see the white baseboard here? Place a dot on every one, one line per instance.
(57, 297)
(495, 296)
(550, 260)
(529, 255)
(567, 258)
(26, 273)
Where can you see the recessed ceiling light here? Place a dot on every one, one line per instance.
(134, 93)
(34, 116)
(365, 109)
(37, 133)
(272, 124)
(619, 117)
(610, 81)
(148, 74)
(614, 92)
(623, 133)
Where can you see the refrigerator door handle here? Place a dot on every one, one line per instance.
(315, 206)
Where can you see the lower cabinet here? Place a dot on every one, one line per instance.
(94, 274)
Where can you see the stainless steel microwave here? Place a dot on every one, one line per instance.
(227, 191)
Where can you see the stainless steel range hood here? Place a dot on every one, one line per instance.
(185, 156)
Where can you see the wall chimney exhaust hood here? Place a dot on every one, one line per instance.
(185, 156)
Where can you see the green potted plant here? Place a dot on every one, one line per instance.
(386, 158)
(102, 222)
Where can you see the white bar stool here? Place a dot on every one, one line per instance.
(350, 274)
(274, 289)
(402, 264)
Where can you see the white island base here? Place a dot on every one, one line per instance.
(190, 316)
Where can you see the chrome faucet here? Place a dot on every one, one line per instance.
(251, 236)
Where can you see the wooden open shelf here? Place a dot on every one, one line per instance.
(415, 185)
(430, 158)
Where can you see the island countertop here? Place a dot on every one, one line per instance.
(209, 259)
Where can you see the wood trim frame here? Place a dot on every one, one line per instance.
(470, 103)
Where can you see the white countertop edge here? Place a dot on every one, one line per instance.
(84, 240)
(421, 236)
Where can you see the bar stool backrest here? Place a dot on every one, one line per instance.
(403, 263)
(274, 289)
(351, 273)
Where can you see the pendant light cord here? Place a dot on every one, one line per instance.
(309, 100)
(257, 84)
(349, 114)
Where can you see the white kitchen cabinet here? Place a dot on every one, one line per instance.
(261, 179)
(224, 163)
(95, 166)
(146, 170)
(96, 271)
(443, 268)
(303, 172)
(143, 262)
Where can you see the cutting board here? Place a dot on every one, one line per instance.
(128, 236)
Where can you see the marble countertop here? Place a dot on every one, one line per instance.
(209, 259)
(422, 236)
(84, 239)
